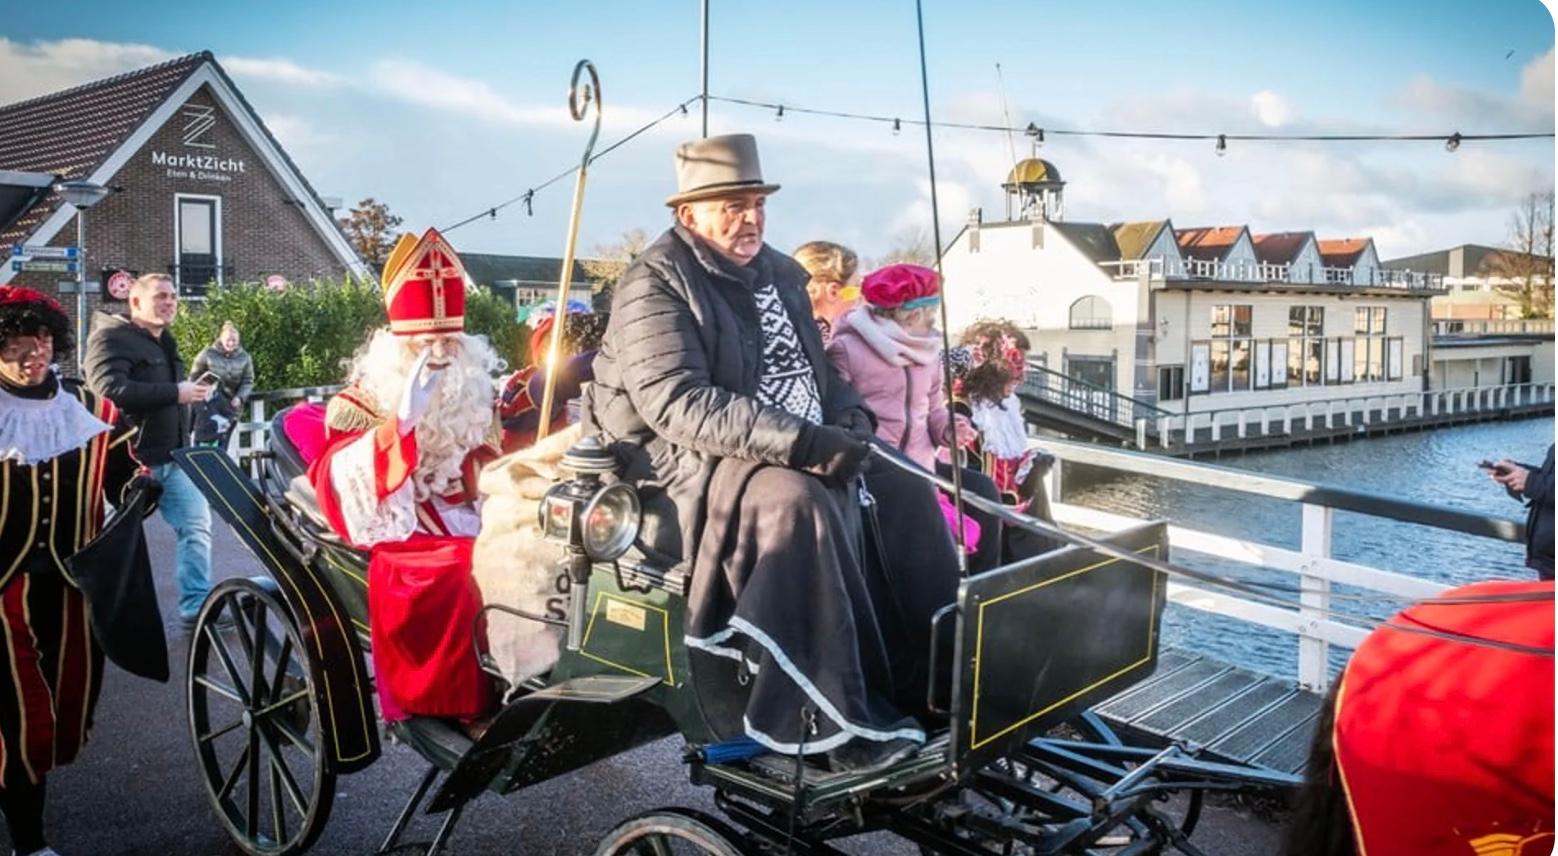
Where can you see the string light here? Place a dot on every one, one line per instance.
(1222, 144)
(779, 114)
(530, 196)
(1036, 133)
(897, 127)
(1453, 143)
(683, 108)
(1140, 135)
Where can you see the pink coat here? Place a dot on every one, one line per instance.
(904, 394)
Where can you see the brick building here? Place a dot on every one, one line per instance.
(202, 190)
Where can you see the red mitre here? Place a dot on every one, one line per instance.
(424, 286)
(1445, 742)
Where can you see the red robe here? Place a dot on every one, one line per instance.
(422, 603)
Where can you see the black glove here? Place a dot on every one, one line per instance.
(858, 422)
(147, 482)
(830, 452)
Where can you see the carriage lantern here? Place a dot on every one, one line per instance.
(597, 521)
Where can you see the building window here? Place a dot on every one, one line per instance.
(1091, 313)
(1231, 347)
(197, 250)
(1171, 383)
(1369, 353)
(1306, 345)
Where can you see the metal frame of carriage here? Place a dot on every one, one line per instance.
(279, 698)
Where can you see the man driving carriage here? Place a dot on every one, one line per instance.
(744, 444)
(404, 441)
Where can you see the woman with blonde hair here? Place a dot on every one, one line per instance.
(831, 266)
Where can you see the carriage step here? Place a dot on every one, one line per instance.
(488, 756)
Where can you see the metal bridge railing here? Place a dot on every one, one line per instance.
(1091, 400)
(1312, 564)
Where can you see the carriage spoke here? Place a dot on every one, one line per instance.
(280, 769)
(278, 812)
(252, 818)
(226, 657)
(283, 657)
(655, 845)
(280, 703)
(232, 778)
(223, 690)
(207, 738)
(257, 652)
(295, 739)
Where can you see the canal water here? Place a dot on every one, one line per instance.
(1436, 467)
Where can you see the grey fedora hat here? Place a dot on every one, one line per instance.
(716, 166)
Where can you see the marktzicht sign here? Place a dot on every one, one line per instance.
(199, 119)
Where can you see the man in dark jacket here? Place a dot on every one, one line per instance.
(134, 362)
(1534, 485)
(744, 444)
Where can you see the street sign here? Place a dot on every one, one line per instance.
(48, 266)
(39, 251)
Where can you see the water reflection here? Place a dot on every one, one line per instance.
(1436, 467)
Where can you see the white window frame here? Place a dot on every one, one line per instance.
(178, 236)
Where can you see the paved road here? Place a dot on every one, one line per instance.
(136, 790)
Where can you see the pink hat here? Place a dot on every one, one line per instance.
(901, 285)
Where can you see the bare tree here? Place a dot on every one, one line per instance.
(1527, 269)
(911, 245)
(610, 260)
(371, 229)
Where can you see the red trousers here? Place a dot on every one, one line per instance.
(422, 608)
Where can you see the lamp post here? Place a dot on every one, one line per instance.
(82, 194)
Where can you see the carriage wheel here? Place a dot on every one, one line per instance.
(253, 723)
(672, 832)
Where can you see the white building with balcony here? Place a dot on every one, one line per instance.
(1192, 320)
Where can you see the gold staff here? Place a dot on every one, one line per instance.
(579, 100)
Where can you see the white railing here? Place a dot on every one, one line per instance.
(1135, 269)
(1360, 409)
(1492, 326)
(251, 436)
(1311, 568)
(1245, 271)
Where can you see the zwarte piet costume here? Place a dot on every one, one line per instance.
(64, 453)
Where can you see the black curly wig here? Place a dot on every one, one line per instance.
(26, 313)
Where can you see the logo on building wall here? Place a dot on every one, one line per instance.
(199, 119)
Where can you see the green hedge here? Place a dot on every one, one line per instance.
(302, 336)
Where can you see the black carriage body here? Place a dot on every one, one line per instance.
(327, 621)
(1043, 639)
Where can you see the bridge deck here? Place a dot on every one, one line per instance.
(1234, 714)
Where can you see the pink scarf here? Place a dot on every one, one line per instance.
(891, 342)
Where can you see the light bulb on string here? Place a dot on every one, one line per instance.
(1222, 145)
(779, 114)
(1453, 143)
(896, 127)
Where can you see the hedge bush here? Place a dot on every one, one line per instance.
(303, 336)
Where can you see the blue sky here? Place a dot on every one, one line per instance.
(442, 112)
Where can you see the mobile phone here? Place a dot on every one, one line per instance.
(1486, 464)
(207, 379)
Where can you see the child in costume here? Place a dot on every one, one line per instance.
(889, 351)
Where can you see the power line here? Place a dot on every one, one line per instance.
(528, 196)
(1451, 140)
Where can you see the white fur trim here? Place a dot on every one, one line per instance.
(36, 430)
(369, 521)
(1002, 427)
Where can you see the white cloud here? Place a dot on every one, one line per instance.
(39, 68)
(1270, 109)
(418, 84)
(1478, 110)
(279, 70)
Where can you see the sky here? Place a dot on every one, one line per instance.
(445, 110)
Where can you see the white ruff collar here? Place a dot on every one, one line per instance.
(37, 430)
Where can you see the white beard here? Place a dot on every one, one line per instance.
(460, 417)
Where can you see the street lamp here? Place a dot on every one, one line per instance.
(83, 194)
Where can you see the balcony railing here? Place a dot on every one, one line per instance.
(1156, 270)
(1492, 327)
(193, 279)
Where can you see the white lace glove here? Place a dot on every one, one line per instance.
(421, 389)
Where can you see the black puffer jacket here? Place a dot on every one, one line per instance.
(1539, 516)
(141, 374)
(677, 373)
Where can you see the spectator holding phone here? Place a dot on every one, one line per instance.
(133, 361)
(229, 368)
(1534, 486)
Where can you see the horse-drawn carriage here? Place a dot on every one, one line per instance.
(280, 697)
